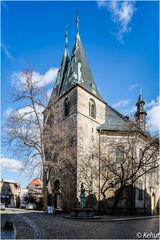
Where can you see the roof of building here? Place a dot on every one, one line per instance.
(75, 70)
(36, 181)
(114, 120)
(62, 71)
(8, 182)
(78, 71)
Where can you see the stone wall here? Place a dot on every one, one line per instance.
(88, 141)
(61, 142)
(75, 142)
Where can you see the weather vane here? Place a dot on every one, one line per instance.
(77, 22)
(66, 36)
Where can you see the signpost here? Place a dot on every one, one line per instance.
(50, 204)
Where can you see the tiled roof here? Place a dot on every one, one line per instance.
(36, 181)
(76, 71)
(114, 120)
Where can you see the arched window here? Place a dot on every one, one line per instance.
(92, 108)
(119, 154)
(66, 107)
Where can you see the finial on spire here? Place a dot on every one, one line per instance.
(66, 36)
(140, 95)
(77, 22)
(140, 91)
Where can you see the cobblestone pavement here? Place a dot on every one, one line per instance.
(39, 225)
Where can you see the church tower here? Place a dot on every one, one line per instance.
(74, 112)
(140, 115)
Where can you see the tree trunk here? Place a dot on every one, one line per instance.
(45, 192)
(117, 200)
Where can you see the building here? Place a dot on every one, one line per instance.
(10, 193)
(35, 187)
(24, 194)
(33, 193)
(82, 131)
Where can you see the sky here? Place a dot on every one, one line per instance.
(120, 40)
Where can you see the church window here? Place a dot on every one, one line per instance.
(66, 107)
(92, 108)
(119, 154)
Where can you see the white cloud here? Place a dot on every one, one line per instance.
(19, 78)
(49, 93)
(121, 13)
(7, 112)
(101, 3)
(152, 103)
(9, 164)
(127, 107)
(49, 76)
(121, 103)
(130, 110)
(26, 112)
(132, 87)
(153, 115)
(7, 52)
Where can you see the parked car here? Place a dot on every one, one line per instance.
(2, 206)
(23, 204)
(31, 206)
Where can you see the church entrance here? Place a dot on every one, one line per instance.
(57, 200)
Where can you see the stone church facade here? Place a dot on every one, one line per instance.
(80, 126)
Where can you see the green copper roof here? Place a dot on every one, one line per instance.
(62, 71)
(78, 71)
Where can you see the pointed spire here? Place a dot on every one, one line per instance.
(64, 65)
(140, 98)
(140, 91)
(140, 115)
(77, 23)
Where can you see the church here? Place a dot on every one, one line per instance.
(87, 141)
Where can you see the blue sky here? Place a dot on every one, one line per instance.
(121, 43)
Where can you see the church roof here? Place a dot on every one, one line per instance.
(75, 70)
(79, 71)
(114, 120)
(63, 68)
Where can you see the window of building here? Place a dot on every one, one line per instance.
(119, 154)
(92, 108)
(66, 107)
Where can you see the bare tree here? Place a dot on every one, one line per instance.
(123, 161)
(122, 165)
(23, 129)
